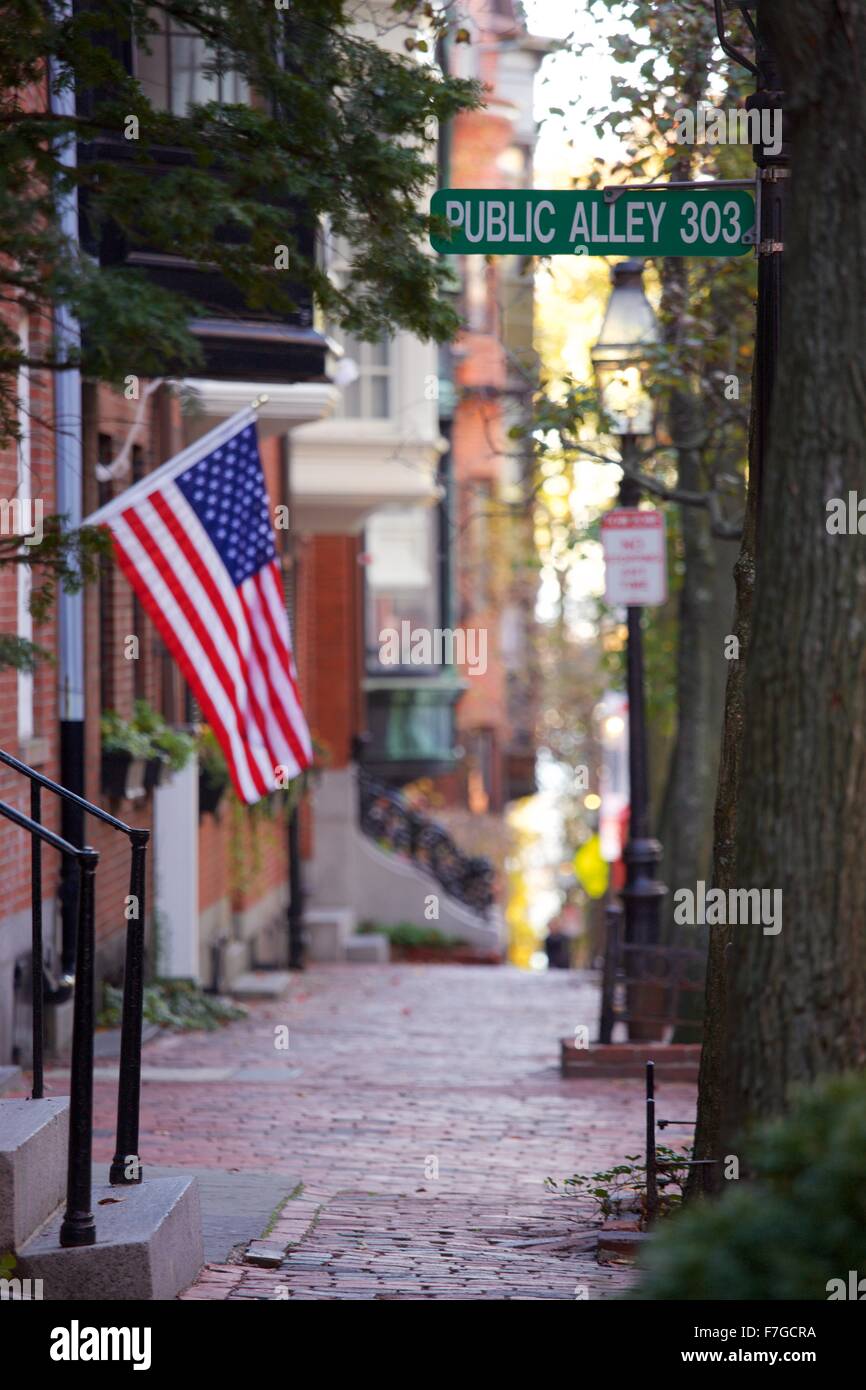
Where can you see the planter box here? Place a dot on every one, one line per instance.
(155, 773)
(673, 1061)
(210, 793)
(443, 955)
(123, 776)
(621, 1247)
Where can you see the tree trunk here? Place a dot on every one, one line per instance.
(687, 807)
(797, 1000)
(688, 796)
(708, 1177)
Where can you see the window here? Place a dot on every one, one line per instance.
(369, 397)
(478, 294)
(178, 72)
(479, 541)
(402, 578)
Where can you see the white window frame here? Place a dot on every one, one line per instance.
(370, 372)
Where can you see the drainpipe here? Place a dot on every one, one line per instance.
(295, 914)
(70, 616)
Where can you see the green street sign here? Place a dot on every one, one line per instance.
(639, 222)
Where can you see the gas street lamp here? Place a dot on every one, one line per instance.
(619, 357)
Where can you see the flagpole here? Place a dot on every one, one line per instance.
(220, 434)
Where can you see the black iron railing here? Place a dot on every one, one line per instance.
(647, 984)
(388, 818)
(655, 1166)
(78, 1225)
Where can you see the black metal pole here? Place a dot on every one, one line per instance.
(652, 1195)
(126, 1164)
(296, 900)
(773, 177)
(37, 990)
(72, 829)
(643, 893)
(295, 915)
(78, 1227)
(613, 922)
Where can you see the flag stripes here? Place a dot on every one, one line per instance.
(204, 566)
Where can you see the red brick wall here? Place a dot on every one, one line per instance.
(329, 649)
(242, 857)
(330, 641)
(224, 841)
(109, 618)
(15, 843)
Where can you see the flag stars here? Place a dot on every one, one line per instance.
(226, 490)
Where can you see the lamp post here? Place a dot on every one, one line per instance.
(619, 358)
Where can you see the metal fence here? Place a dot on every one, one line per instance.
(388, 818)
(646, 984)
(78, 1226)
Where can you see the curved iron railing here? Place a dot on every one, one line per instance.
(388, 818)
(78, 1226)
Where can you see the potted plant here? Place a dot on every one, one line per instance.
(125, 751)
(170, 749)
(213, 773)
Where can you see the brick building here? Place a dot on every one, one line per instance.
(363, 469)
(491, 369)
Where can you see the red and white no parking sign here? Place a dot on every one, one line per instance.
(635, 557)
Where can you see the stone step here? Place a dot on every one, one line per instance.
(148, 1246)
(34, 1136)
(9, 1077)
(327, 931)
(261, 984)
(368, 947)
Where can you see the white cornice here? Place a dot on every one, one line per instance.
(288, 405)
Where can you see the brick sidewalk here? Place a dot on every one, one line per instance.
(394, 1074)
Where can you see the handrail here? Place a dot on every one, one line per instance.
(35, 828)
(126, 1165)
(67, 795)
(387, 815)
(77, 1227)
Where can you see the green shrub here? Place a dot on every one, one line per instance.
(784, 1233)
(172, 745)
(119, 736)
(625, 1183)
(179, 1004)
(146, 735)
(408, 934)
(211, 759)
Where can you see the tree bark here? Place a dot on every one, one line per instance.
(797, 1000)
(686, 818)
(707, 1177)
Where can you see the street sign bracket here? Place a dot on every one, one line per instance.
(774, 172)
(613, 191)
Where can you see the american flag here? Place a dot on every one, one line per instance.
(196, 542)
